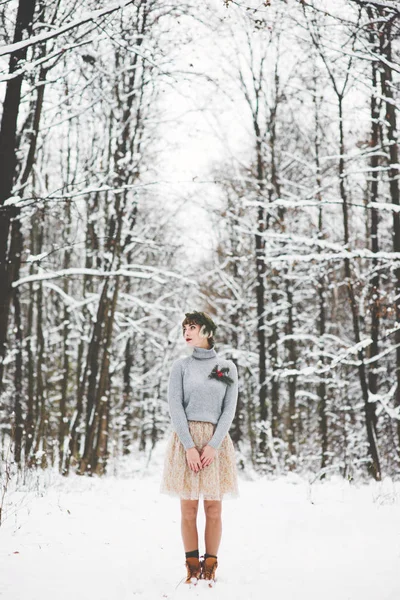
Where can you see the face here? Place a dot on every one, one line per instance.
(191, 333)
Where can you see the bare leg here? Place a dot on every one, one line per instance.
(213, 533)
(189, 524)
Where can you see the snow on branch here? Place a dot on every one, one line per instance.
(69, 301)
(92, 16)
(281, 202)
(92, 189)
(333, 251)
(384, 399)
(30, 66)
(389, 5)
(150, 273)
(307, 371)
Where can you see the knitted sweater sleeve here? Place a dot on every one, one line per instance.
(175, 403)
(228, 409)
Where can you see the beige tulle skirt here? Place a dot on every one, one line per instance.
(213, 482)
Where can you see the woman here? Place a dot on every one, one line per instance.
(200, 457)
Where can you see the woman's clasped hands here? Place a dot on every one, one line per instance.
(198, 460)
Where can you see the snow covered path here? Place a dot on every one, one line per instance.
(117, 539)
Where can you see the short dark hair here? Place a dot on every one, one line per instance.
(207, 325)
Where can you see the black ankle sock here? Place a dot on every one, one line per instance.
(210, 555)
(192, 554)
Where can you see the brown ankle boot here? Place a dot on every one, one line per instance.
(193, 570)
(209, 566)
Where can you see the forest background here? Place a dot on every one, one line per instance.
(239, 158)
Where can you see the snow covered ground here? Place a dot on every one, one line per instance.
(117, 538)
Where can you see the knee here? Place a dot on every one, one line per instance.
(189, 512)
(212, 509)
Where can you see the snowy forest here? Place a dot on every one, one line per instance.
(238, 158)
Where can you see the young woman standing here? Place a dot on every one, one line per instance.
(200, 457)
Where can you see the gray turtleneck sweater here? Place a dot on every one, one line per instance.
(192, 396)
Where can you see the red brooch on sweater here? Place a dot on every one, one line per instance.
(221, 375)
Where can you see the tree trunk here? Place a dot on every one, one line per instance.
(292, 381)
(41, 411)
(30, 411)
(8, 161)
(260, 297)
(374, 466)
(388, 85)
(62, 430)
(103, 393)
(92, 367)
(274, 188)
(273, 354)
(92, 247)
(126, 399)
(374, 240)
(18, 374)
(321, 286)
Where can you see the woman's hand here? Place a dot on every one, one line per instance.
(207, 455)
(193, 459)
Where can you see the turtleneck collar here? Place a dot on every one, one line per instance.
(203, 353)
